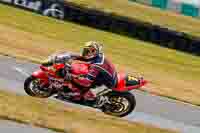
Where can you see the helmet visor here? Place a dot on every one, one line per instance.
(85, 52)
(89, 53)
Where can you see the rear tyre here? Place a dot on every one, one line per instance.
(32, 88)
(121, 104)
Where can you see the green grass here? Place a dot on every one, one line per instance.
(65, 118)
(31, 36)
(144, 13)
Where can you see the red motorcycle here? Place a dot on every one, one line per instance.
(49, 80)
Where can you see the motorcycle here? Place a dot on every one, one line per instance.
(49, 80)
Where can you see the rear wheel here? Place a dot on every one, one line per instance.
(121, 104)
(32, 88)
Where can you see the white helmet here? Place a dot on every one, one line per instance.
(91, 50)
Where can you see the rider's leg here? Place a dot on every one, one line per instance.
(81, 93)
(75, 90)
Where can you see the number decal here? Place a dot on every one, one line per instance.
(131, 78)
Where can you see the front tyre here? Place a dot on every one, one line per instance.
(121, 104)
(32, 88)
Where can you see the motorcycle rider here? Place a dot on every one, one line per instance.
(101, 71)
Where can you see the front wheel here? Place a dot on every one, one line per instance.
(32, 88)
(121, 104)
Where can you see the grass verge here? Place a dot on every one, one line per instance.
(64, 118)
(144, 13)
(33, 37)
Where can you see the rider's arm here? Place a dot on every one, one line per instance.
(89, 78)
(76, 56)
(71, 56)
(61, 58)
(47, 63)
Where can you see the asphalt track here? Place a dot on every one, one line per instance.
(12, 127)
(151, 109)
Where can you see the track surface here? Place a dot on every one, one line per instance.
(159, 111)
(12, 127)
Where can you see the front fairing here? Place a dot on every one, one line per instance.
(40, 74)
